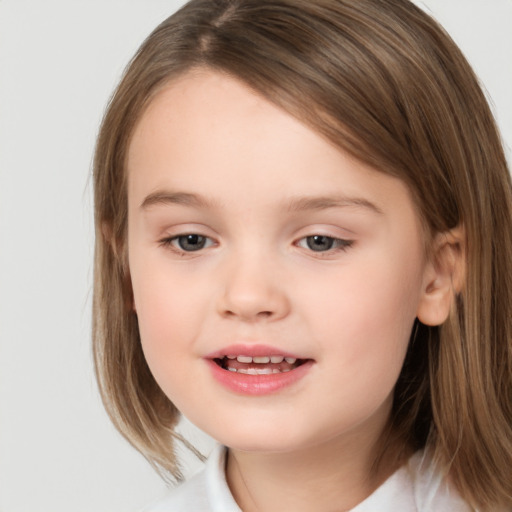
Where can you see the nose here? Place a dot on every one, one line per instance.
(253, 291)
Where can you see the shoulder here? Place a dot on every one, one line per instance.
(207, 491)
(190, 495)
(416, 486)
(432, 492)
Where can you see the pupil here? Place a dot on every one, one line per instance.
(320, 242)
(191, 242)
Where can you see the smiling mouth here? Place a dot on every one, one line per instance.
(259, 365)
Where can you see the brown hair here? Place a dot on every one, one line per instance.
(382, 80)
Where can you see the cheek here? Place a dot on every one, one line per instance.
(168, 313)
(371, 308)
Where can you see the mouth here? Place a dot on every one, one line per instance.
(257, 369)
(258, 365)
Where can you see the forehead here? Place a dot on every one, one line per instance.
(217, 115)
(210, 134)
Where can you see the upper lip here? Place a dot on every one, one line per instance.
(251, 350)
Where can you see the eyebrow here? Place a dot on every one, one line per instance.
(169, 198)
(325, 202)
(294, 205)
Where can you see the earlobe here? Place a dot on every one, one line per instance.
(443, 277)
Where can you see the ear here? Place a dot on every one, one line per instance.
(119, 251)
(106, 231)
(116, 243)
(443, 277)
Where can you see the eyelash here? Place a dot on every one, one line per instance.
(336, 244)
(170, 242)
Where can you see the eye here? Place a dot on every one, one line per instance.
(189, 242)
(322, 243)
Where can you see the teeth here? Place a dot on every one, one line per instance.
(263, 360)
(255, 371)
(258, 371)
(260, 360)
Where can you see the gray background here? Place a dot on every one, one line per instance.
(59, 61)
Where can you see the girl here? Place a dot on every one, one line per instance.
(304, 224)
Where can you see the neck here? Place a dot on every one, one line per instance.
(335, 475)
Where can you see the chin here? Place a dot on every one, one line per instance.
(272, 438)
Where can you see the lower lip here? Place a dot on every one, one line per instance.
(258, 384)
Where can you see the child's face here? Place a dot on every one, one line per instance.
(294, 249)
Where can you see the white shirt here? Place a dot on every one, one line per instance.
(413, 488)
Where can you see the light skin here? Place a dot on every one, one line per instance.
(211, 158)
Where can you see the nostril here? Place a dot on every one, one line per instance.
(260, 314)
(253, 304)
